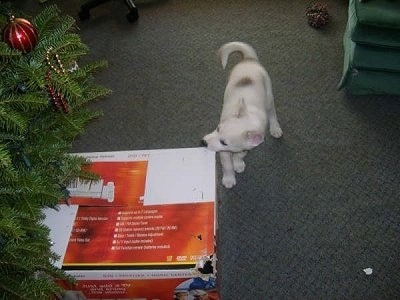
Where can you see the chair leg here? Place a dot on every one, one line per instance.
(133, 14)
(84, 14)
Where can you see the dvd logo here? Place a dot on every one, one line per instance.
(181, 258)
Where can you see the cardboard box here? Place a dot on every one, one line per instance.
(145, 230)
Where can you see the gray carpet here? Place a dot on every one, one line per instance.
(314, 208)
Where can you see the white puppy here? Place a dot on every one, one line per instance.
(247, 109)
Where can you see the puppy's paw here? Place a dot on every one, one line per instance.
(276, 131)
(228, 181)
(239, 165)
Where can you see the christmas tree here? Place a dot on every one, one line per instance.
(44, 95)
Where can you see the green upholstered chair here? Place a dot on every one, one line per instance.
(372, 48)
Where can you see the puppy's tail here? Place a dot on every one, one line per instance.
(246, 50)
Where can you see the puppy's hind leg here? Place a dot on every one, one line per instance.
(228, 173)
(274, 127)
(238, 163)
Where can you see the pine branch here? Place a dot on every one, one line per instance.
(89, 69)
(26, 102)
(5, 158)
(44, 22)
(12, 120)
(6, 52)
(35, 141)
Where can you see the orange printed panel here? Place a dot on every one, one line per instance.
(146, 235)
(128, 180)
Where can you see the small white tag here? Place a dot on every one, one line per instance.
(368, 271)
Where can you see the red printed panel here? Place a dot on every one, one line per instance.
(159, 234)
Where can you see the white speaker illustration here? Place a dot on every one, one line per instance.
(92, 189)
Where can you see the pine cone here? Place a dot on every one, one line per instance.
(317, 15)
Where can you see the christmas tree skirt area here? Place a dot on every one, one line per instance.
(146, 229)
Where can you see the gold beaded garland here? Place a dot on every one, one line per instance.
(60, 70)
(56, 97)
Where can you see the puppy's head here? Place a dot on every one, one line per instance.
(230, 137)
(235, 134)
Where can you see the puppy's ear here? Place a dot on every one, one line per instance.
(254, 138)
(241, 110)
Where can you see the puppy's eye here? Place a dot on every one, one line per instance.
(223, 143)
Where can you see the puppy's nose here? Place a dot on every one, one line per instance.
(204, 143)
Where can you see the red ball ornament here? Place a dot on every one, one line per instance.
(20, 34)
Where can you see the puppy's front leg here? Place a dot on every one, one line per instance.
(228, 173)
(238, 163)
